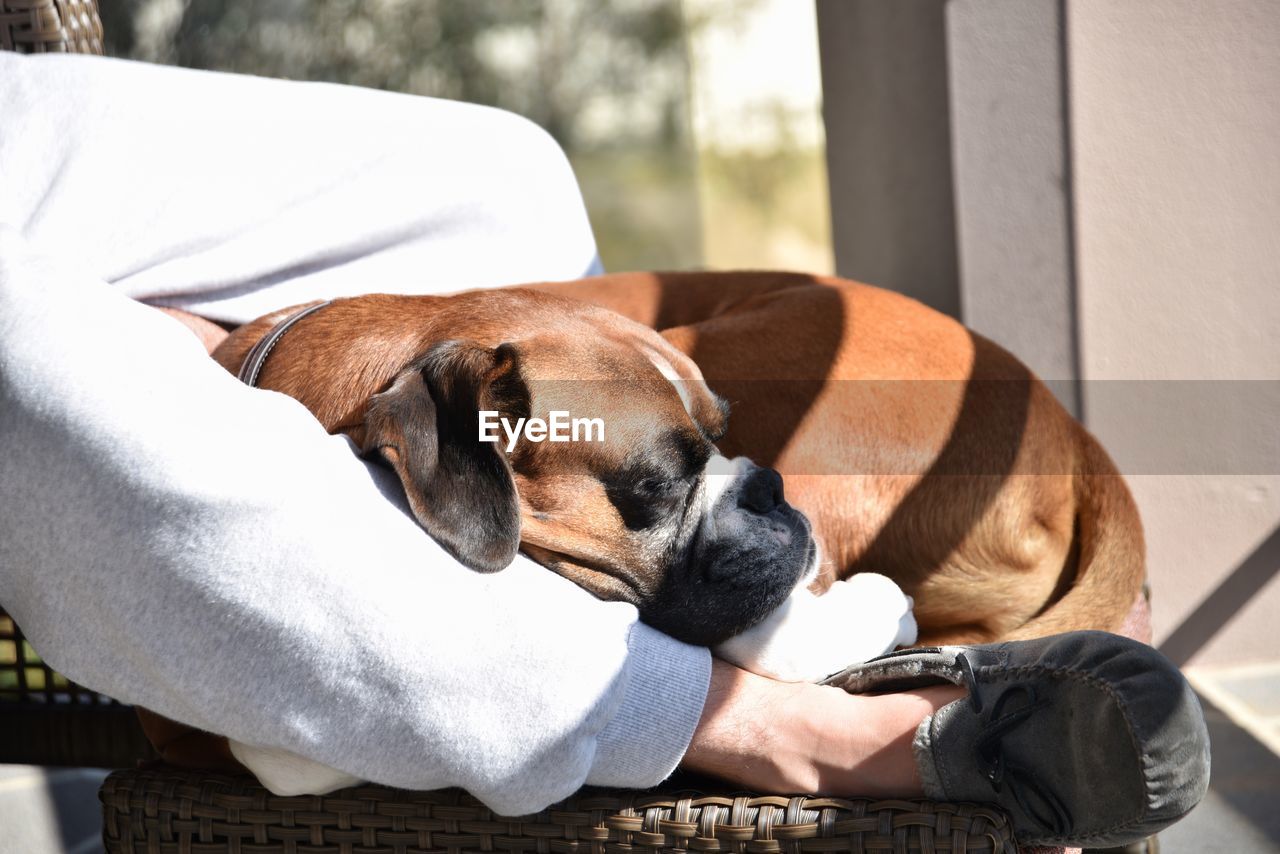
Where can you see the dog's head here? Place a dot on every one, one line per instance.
(634, 504)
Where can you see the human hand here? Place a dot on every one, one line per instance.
(810, 739)
(209, 333)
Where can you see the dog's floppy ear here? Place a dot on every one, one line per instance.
(426, 425)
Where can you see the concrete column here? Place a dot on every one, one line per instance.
(946, 146)
(1010, 163)
(884, 75)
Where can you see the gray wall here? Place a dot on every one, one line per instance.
(1095, 185)
(884, 83)
(1176, 148)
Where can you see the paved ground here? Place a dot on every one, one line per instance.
(55, 811)
(1241, 814)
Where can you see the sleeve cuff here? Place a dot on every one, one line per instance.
(646, 738)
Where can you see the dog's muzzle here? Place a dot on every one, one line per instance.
(750, 550)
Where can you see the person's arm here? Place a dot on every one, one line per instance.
(184, 543)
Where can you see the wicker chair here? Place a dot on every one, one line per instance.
(45, 719)
(50, 26)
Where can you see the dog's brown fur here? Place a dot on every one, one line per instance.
(918, 448)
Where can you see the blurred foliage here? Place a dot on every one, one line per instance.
(609, 79)
(561, 63)
(766, 209)
(599, 75)
(644, 207)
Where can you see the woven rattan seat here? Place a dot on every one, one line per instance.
(167, 811)
(50, 26)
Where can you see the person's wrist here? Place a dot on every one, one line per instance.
(795, 738)
(759, 732)
(868, 740)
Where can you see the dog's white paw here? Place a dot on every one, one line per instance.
(287, 774)
(810, 637)
(888, 608)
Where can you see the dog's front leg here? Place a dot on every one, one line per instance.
(287, 774)
(810, 637)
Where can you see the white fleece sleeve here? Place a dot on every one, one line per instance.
(231, 196)
(184, 543)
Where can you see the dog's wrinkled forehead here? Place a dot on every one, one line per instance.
(669, 372)
(637, 382)
(707, 409)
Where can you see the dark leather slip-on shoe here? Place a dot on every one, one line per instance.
(1085, 739)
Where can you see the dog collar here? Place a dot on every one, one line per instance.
(257, 356)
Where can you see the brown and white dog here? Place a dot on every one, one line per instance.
(910, 447)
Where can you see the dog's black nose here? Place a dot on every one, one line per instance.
(761, 491)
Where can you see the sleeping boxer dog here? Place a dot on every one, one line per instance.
(910, 448)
